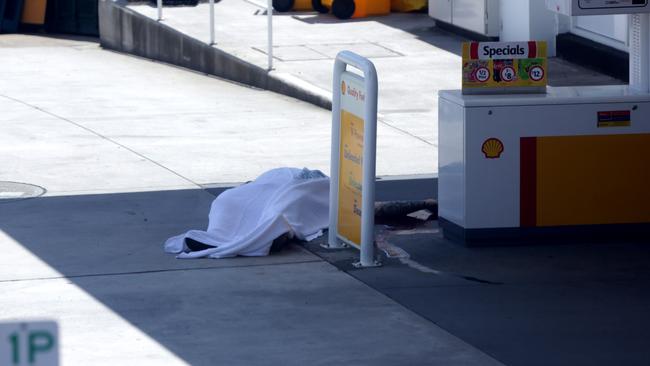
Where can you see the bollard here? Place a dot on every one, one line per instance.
(353, 157)
(212, 22)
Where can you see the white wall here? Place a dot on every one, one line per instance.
(515, 20)
(607, 29)
(543, 24)
(523, 20)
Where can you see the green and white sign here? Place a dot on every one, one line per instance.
(29, 343)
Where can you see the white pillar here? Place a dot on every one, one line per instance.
(639, 25)
(528, 20)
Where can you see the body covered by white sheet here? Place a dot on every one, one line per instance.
(245, 220)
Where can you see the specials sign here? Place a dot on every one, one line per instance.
(504, 67)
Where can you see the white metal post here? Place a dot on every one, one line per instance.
(344, 58)
(369, 167)
(211, 22)
(269, 26)
(332, 239)
(159, 4)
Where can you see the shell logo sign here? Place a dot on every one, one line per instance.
(492, 148)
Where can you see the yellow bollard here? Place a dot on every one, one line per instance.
(345, 9)
(34, 12)
(408, 5)
(287, 5)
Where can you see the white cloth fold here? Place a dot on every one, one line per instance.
(245, 220)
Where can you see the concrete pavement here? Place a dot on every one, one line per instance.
(556, 303)
(414, 59)
(155, 118)
(132, 152)
(123, 147)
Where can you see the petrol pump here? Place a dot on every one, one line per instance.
(565, 163)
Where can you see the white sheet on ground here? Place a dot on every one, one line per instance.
(245, 220)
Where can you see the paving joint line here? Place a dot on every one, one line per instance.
(79, 125)
(387, 122)
(380, 117)
(160, 271)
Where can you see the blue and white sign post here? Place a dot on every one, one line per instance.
(354, 146)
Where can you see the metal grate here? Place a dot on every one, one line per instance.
(16, 191)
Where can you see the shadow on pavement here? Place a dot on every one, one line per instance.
(419, 25)
(290, 308)
(534, 305)
(561, 304)
(110, 246)
(423, 28)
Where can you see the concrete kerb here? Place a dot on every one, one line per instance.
(293, 86)
(124, 30)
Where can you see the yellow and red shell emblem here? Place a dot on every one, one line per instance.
(492, 148)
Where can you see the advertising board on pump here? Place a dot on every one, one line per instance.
(504, 67)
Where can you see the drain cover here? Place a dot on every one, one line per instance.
(15, 191)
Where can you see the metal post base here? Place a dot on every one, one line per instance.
(340, 246)
(373, 264)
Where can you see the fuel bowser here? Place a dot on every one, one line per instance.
(546, 163)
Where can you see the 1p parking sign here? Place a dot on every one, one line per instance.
(29, 343)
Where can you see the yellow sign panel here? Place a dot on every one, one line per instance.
(350, 197)
(504, 67)
(350, 177)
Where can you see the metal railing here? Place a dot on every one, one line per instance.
(269, 26)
